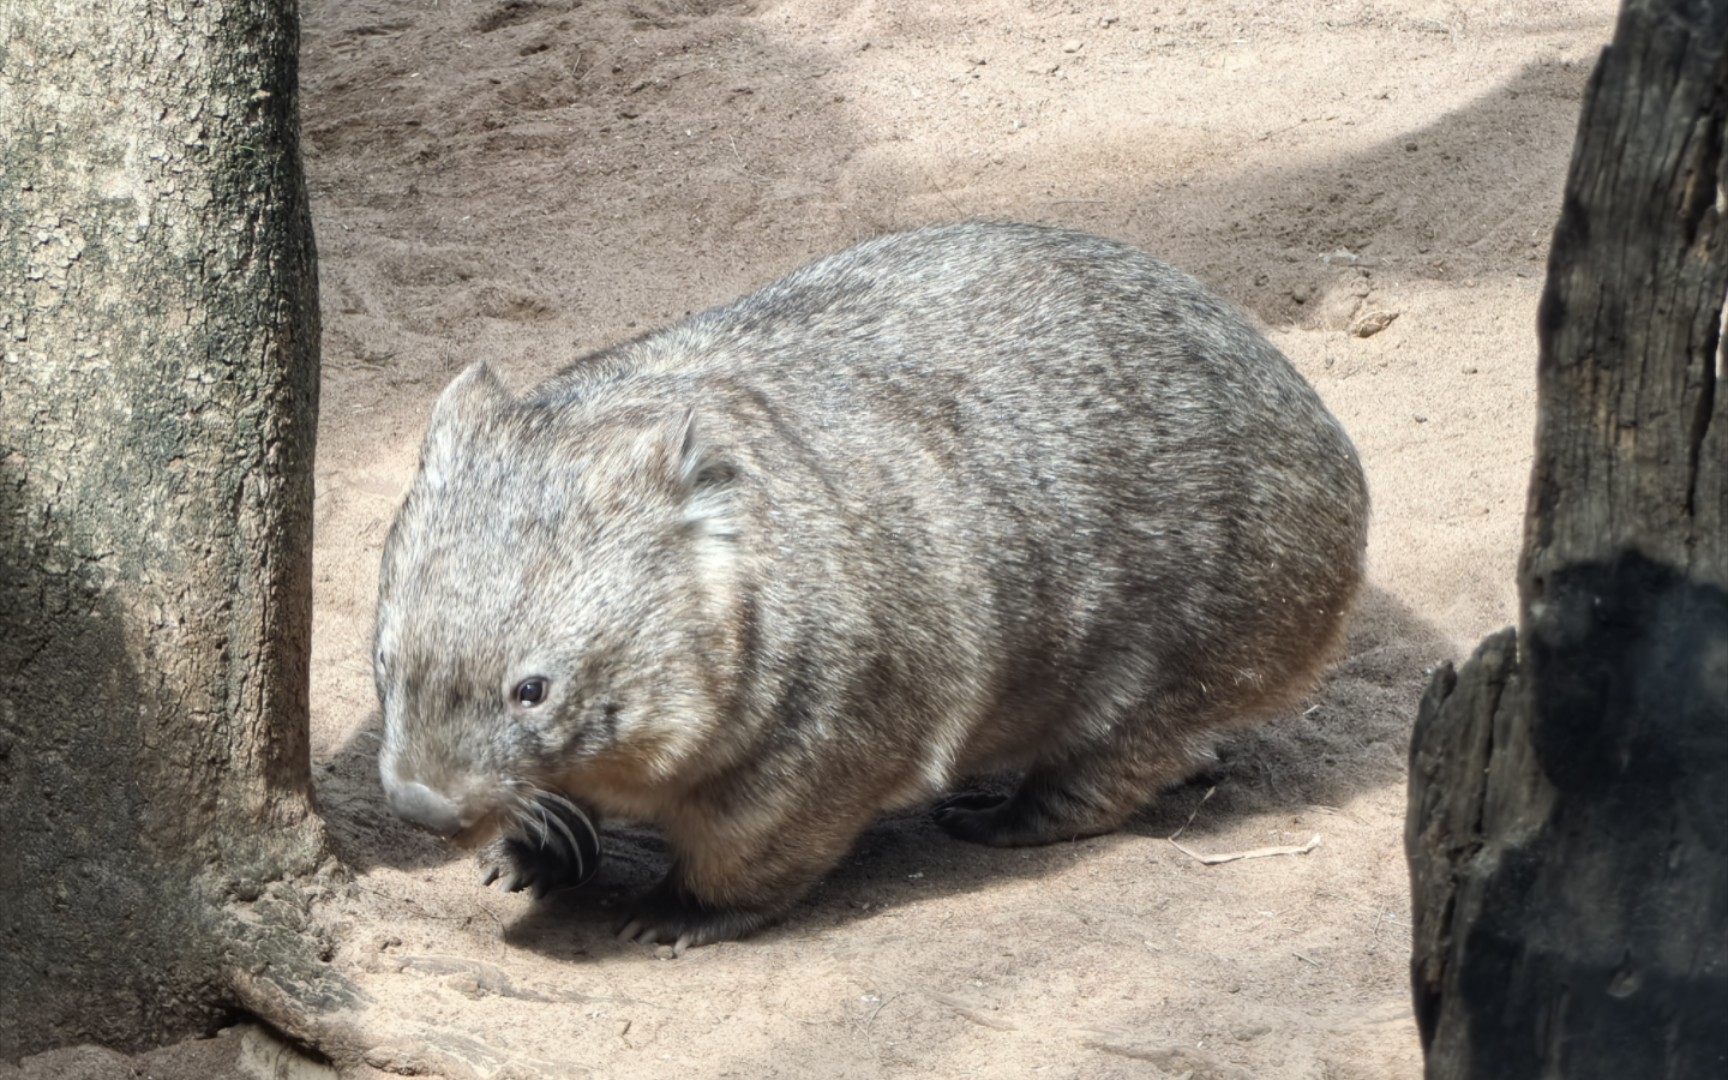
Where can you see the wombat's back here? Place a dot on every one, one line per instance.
(1053, 467)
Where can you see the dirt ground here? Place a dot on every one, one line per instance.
(524, 181)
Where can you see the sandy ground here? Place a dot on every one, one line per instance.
(524, 181)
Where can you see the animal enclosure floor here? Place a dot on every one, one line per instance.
(525, 180)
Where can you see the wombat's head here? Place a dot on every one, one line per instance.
(546, 605)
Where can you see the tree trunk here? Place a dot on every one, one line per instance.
(158, 399)
(1568, 825)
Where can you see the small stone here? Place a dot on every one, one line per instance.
(1073, 45)
(1370, 323)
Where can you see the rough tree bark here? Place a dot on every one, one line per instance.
(1568, 824)
(158, 396)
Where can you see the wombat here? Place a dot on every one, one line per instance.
(967, 497)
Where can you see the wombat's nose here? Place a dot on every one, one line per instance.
(425, 808)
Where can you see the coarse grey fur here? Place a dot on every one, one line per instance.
(970, 496)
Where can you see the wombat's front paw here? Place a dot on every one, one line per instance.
(669, 915)
(554, 851)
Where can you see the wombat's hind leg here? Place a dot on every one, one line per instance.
(670, 915)
(1086, 794)
(1042, 811)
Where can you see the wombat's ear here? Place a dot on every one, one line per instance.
(700, 475)
(695, 463)
(463, 409)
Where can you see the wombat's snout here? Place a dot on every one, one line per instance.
(424, 807)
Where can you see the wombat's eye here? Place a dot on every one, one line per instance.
(529, 692)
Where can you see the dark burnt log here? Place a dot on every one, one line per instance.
(1568, 822)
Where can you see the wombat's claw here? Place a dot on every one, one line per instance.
(537, 888)
(511, 882)
(667, 916)
(638, 931)
(500, 864)
(562, 850)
